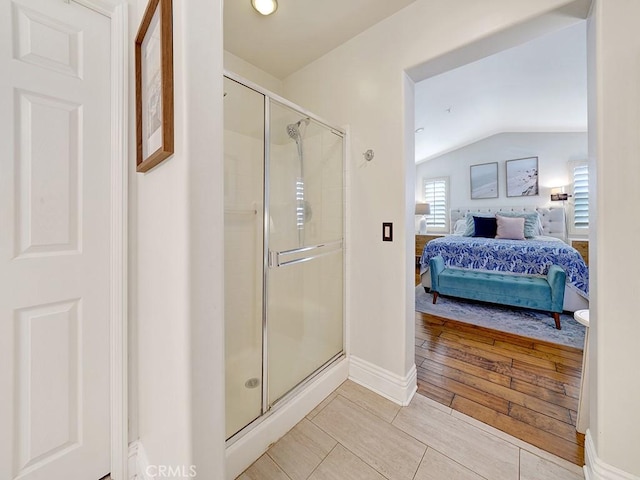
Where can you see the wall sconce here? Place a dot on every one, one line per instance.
(423, 209)
(557, 194)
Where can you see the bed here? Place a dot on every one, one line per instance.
(531, 256)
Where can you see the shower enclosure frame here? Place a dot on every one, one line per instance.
(266, 410)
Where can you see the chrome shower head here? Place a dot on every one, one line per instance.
(293, 129)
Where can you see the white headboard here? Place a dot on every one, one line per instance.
(552, 218)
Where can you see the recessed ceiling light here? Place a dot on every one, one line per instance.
(265, 7)
(419, 130)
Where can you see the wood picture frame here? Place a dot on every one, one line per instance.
(522, 177)
(484, 180)
(154, 86)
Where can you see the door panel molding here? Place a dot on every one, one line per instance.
(48, 347)
(37, 50)
(48, 190)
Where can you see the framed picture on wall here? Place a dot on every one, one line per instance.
(154, 85)
(484, 180)
(522, 177)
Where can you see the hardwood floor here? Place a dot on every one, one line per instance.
(524, 387)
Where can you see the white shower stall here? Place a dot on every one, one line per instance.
(284, 251)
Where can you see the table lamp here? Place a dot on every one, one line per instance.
(423, 209)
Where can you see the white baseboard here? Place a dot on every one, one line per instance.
(398, 389)
(596, 469)
(247, 449)
(138, 462)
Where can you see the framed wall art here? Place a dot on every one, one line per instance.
(484, 180)
(522, 177)
(154, 85)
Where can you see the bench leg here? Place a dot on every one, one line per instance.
(556, 317)
(435, 297)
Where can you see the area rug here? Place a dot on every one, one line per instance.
(528, 323)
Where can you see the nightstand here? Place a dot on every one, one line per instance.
(421, 241)
(583, 247)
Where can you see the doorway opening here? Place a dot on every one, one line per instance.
(506, 104)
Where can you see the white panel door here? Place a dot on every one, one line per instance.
(54, 241)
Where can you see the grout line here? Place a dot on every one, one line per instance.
(519, 463)
(420, 462)
(313, 421)
(458, 463)
(325, 406)
(274, 461)
(397, 413)
(365, 462)
(367, 409)
(325, 457)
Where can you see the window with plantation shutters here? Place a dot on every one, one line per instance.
(436, 194)
(580, 197)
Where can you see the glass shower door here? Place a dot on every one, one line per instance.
(243, 252)
(305, 244)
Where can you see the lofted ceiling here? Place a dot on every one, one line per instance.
(540, 86)
(300, 31)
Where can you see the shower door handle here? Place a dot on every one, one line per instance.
(303, 254)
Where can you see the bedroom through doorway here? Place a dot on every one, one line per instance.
(506, 136)
(505, 133)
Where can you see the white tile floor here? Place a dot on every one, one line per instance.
(358, 435)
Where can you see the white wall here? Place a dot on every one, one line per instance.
(614, 76)
(245, 69)
(362, 84)
(553, 150)
(179, 282)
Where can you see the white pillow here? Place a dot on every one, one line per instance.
(540, 228)
(511, 228)
(460, 227)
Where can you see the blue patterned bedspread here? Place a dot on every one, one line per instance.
(526, 257)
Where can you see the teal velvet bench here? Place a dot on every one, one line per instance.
(536, 293)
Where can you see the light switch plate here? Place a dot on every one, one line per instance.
(387, 232)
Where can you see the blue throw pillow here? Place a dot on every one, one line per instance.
(470, 230)
(485, 227)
